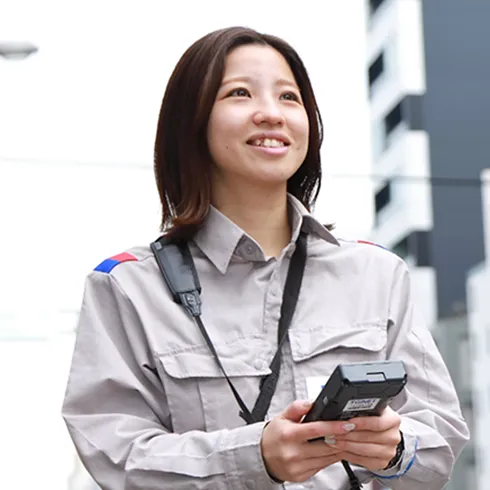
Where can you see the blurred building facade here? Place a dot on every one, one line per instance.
(430, 114)
(479, 337)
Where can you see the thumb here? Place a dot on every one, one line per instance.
(296, 410)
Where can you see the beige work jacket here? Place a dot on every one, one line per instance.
(149, 409)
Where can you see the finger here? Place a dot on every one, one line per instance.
(387, 420)
(318, 449)
(296, 458)
(389, 437)
(369, 450)
(314, 430)
(372, 464)
(296, 410)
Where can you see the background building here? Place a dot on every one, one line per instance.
(430, 114)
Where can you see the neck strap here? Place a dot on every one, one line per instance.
(179, 272)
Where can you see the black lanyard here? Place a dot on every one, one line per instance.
(178, 269)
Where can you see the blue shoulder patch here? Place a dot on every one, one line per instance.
(108, 264)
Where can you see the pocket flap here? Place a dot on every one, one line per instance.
(241, 358)
(309, 343)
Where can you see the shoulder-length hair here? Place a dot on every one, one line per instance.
(183, 163)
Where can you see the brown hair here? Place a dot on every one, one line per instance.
(183, 163)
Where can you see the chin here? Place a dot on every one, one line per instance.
(277, 177)
(272, 182)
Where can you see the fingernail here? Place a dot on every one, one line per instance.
(348, 427)
(330, 440)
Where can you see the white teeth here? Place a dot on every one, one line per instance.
(269, 143)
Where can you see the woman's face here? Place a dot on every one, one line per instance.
(258, 129)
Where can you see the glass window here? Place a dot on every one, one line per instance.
(393, 118)
(383, 197)
(374, 5)
(376, 69)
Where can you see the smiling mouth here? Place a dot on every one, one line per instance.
(268, 143)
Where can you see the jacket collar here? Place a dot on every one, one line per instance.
(222, 241)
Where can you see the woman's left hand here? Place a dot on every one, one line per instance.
(372, 444)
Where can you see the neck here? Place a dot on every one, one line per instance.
(261, 214)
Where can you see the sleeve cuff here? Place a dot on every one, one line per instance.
(245, 465)
(405, 462)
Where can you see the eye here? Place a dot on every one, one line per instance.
(290, 96)
(239, 92)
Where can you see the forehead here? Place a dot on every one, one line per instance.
(257, 61)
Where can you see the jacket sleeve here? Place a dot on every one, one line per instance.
(116, 411)
(433, 427)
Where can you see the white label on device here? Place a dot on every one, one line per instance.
(361, 404)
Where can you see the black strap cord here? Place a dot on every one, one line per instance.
(245, 412)
(177, 267)
(289, 301)
(355, 484)
(290, 298)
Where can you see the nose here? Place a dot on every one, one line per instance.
(268, 112)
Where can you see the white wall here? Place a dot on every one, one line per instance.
(410, 44)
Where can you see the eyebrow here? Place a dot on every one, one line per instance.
(281, 82)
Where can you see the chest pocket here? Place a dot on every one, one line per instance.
(198, 394)
(317, 351)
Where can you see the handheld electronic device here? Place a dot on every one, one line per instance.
(358, 390)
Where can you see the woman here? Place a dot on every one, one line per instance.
(237, 163)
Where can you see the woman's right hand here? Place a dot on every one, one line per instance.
(287, 454)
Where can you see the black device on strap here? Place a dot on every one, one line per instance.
(177, 267)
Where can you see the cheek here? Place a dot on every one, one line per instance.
(219, 143)
(221, 134)
(215, 141)
(305, 126)
(301, 127)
